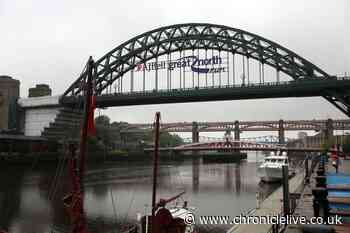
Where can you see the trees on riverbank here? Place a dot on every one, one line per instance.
(111, 136)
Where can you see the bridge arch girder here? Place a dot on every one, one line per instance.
(264, 125)
(192, 36)
(305, 125)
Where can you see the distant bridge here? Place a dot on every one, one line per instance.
(227, 145)
(297, 125)
(326, 127)
(268, 139)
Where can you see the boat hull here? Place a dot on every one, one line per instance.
(179, 221)
(269, 174)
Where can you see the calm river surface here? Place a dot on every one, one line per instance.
(115, 192)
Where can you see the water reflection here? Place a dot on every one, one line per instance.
(115, 192)
(228, 178)
(238, 179)
(10, 196)
(195, 175)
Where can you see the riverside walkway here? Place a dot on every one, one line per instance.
(271, 206)
(305, 206)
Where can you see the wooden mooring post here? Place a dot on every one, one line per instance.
(307, 175)
(286, 199)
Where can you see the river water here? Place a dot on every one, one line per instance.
(31, 200)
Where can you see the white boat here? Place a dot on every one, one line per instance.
(271, 169)
(186, 214)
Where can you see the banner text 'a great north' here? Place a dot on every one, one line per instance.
(197, 65)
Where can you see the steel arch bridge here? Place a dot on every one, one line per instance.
(308, 79)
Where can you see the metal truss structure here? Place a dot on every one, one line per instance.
(299, 125)
(199, 36)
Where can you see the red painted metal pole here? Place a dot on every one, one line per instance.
(87, 108)
(155, 164)
(76, 205)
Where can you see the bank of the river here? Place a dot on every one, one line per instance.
(338, 196)
(271, 206)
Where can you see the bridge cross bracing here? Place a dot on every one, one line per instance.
(205, 62)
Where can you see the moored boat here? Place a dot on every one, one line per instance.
(271, 169)
(176, 219)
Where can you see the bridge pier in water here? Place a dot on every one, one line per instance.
(195, 132)
(228, 134)
(329, 131)
(281, 136)
(237, 135)
(237, 131)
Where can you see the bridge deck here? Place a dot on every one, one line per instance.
(305, 88)
(318, 125)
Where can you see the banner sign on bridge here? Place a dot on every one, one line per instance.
(194, 63)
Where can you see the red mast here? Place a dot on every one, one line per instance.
(155, 165)
(74, 202)
(87, 109)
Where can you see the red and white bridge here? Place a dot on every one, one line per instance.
(234, 145)
(267, 139)
(227, 144)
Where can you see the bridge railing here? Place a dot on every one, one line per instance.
(342, 78)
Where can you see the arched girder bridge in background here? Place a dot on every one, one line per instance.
(296, 125)
(325, 128)
(211, 68)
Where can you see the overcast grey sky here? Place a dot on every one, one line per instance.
(49, 42)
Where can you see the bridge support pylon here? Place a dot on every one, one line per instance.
(237, 131)
(237, 135)
(281, 136)
(228, 134)
(329, 132)
(195, 132)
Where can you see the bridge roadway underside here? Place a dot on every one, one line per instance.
(252, 91)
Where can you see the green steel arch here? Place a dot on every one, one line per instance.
(192, 36)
